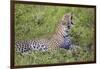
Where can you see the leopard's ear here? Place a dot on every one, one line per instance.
(71, 17)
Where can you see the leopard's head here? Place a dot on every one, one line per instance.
(67, 21)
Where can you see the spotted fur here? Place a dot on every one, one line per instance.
(60, 39)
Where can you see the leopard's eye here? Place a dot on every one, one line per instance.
(72, 22)
(63, 23)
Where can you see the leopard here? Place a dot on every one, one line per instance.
(59, 39)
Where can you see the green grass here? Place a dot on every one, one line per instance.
(33, 21)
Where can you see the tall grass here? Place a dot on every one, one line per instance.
(33, 21)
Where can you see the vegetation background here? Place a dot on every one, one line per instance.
(33, 21)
